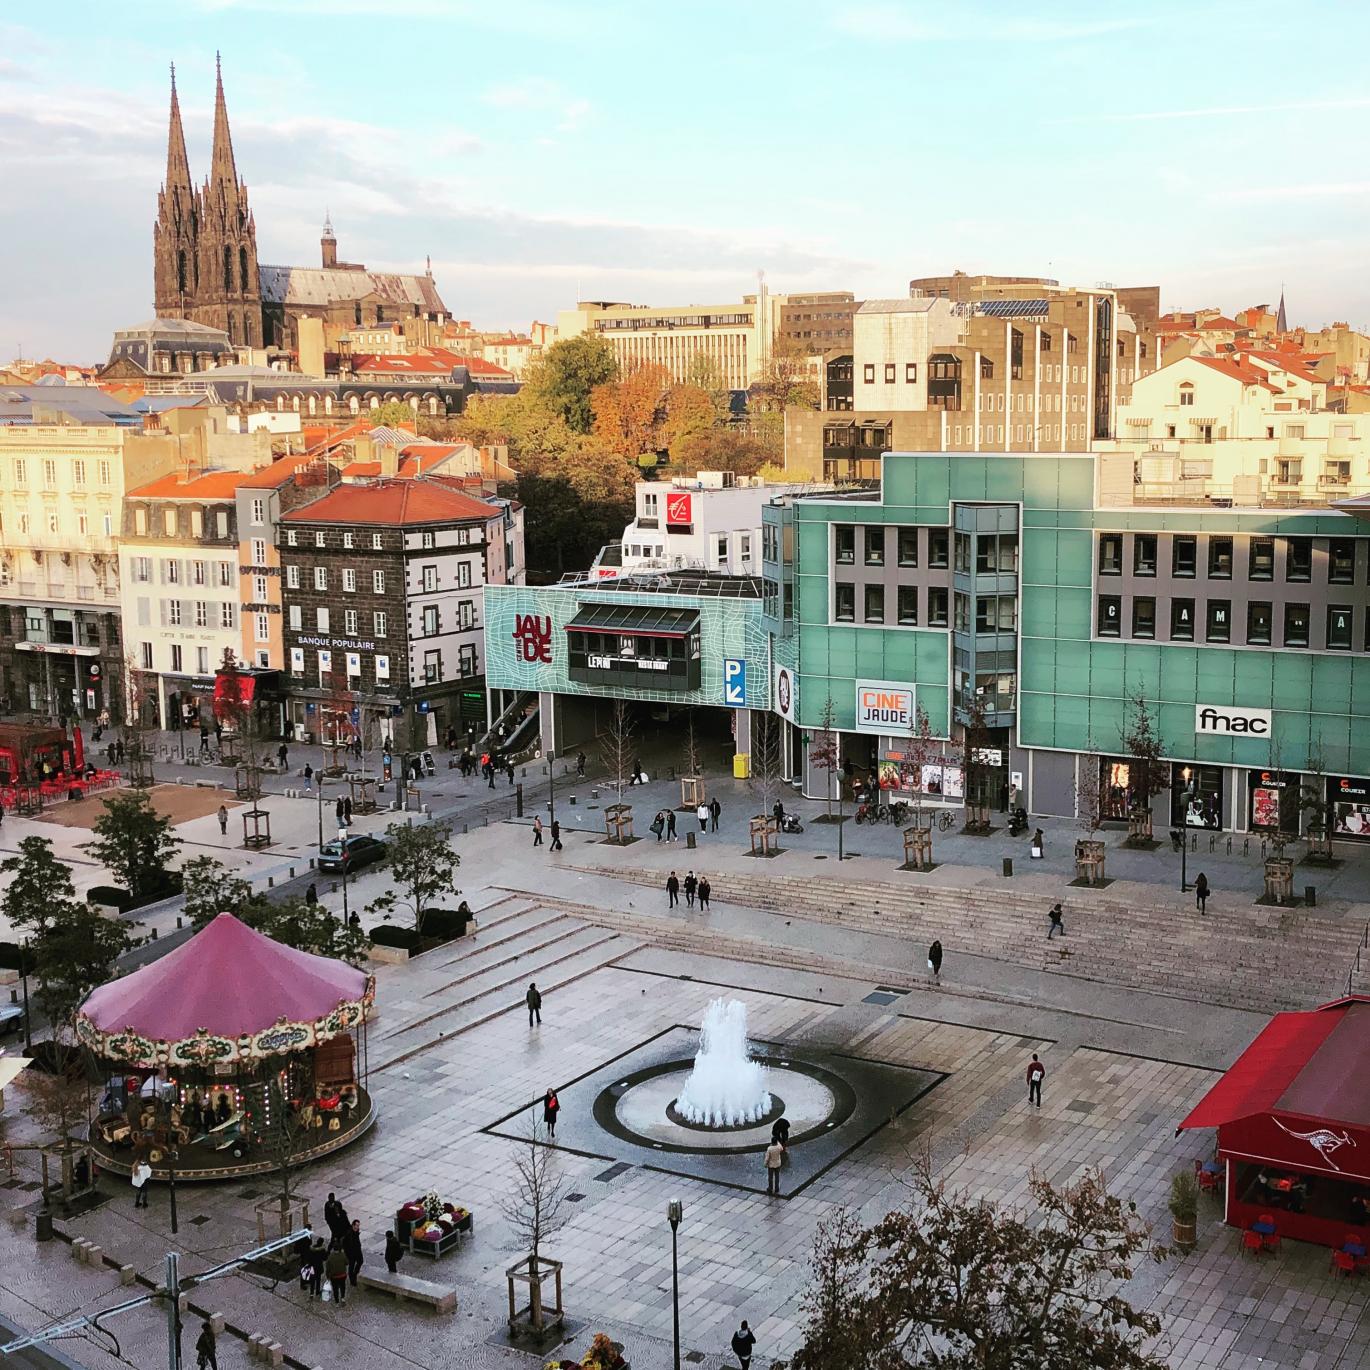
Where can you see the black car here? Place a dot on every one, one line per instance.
(360, 851)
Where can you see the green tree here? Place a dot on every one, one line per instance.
(393, 414)
(955, 1282)
(211, 889)
(73, 948)
(422, 866)
(703, 373)
(135, 842)
(567, 373)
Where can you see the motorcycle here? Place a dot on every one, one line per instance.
(1017, 823)
(789, 823)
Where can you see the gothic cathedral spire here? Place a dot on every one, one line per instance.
(175, 265)
(223, 173)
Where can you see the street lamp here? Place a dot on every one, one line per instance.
(551, 787)
(674, 1210)
(342, 861)
(1186, 795)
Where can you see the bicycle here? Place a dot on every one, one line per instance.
(945, 820)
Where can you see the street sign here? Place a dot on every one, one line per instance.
(734, 682)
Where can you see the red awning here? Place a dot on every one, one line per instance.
(1261, 1074)
(247, 685)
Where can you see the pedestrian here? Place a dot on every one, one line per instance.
(311, 895)
(223, 821)
(335, 1217)
(339, 812)
(509, 766)
(551, 1106)
(1036, 851)
(780, 1131)
(313, 1268)
(556, 836)
(534, 1001)
(394, 1252)
(335, 1266)
(580, 765)
(347, 810)
(672, 890)
(670, 825)
(637, 771)
(1056, 924)
(704, 889)
(1201, 892)
(775, 1158)
(1035, 1073)
(658, 825)
(206, 1355)
(743, 1341)
(715, 809)
(352, 1249)
(702, 813)
(537, 830)
(308, 777)
(490, 774)
(691, 884)
(935, 960)
(778, 813)
(142, 1173)
(282, 755)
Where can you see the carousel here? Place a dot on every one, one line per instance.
(230, 1056)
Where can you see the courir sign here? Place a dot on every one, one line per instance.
(882, 707)
(1226, 720)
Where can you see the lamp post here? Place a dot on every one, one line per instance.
(24, 977)
(1186, 795)
(674, 1210)
(342, 861)
(551, 787)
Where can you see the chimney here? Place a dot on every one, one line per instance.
(390, 460)
(328, 242)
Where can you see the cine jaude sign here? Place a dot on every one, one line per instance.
(883, 708)
(1225, 720)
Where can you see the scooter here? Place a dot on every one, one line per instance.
(789, 823)
(1017, 823)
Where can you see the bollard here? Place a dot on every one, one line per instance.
(127, 1274)
(465, 828)
(154, 934)
(178, 922)
(292, 872)
(1310, 896)
(311, 863)
(1008, 866)
(690, 839)
(518, 801)
(270, 882)
(42, 1227)
(14, 996)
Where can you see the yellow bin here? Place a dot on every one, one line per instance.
(742, 765)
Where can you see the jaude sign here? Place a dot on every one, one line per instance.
(1224, 720)
(883, 708)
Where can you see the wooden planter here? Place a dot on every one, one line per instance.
(977, 819)
(618, 822)
(1139, 827)
(918, 848)
(1183, 1233)
(536, 1316)
(1279, 880)
(1090, 855)
(763, 828)
(692, 791)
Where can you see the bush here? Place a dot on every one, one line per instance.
(12, 958)
(384, 935)
(444, 924)
(110, 894)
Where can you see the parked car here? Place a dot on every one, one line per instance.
(359, 851)
(11, 1018)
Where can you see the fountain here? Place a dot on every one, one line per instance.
(726, 1088)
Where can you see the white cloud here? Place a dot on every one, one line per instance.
(537, 95)
(1318, 190)
(1225, 111)
(962, 24)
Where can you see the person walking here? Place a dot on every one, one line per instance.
(935, 960)
(580, 765)
(775, 1158)
(223, 821)
(352, 1249)
(142, 1173)
(702, 813)
(691, 885)
(206, 1352)
(339, 812)
(743, 1342)
(1055, 925)
(312, 1269)
(308, 777)
(672, 890)
(335, 1267)
(1201, 892)
(347, 810)
(670, 825)
(704, 891)
(659, 824)
(715, 809)
(509, 767)
(490, 774)
(394, 1252)
(556, 836)
(534, 1001)
(335, 1217)
(551, 1106)
(282, 755)
(1036, 1072)
(311, 895)
(537, 830)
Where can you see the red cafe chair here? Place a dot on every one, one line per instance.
(1344, 1261)
(1270, 1241)
(1251, 1241)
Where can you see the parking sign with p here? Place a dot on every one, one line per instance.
(734, 682)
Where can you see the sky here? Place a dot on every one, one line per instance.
(542, 152)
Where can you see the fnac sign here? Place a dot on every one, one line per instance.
(1229, 721)
(882, 707)
(679, 509)
(533, 633)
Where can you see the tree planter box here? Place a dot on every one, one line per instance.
(388, 956)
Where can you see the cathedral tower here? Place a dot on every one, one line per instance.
(175, 260)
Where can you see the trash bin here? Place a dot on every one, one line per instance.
(42, 1227)
(690, 840)
(742, 765)
(1008, 865)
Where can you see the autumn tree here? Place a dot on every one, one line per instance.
(959, 1283)
(921, 750)
(702, 372)
(1148, 774)
(721, 449)
(766, 775)
(785, 380)
(1318, 808)
(975, 747)
(629, 413)
(394, 414)
(566, 375)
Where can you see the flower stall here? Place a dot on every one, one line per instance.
(430, 1227)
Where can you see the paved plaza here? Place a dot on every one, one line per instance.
(456, 1073)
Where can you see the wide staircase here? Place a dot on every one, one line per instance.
(1253, 958)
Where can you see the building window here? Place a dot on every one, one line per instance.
(1219, 627)
(349, 579)
(202, 613)
(845, 535)
(375, 542)
(103, 470)
(962, 552)
(1341, 561)
(845, 611)
(259, 511)
(996, 554)
(908, 605)
(466, 660)
(225, 574)
(202, 660)
(910, 373)
(176, 657)
(319, 540)
(1220, 558)
(428, 579)
(1144, 554)
(1339, 627)
(169, 522)
(227, 615)
(1187, 395)
(378, 582)
(430, 620)
(996, 614)
(939, 547)
(198, 574)
(1111, 554)
(350, 622)
(321, 577)
(868, 373)
(875, 604)
(1182, 620)
(173, 612)
(1261, 559)
(259, 551)
(908, 546)
(145, 655)
(261, 628)
(291, 538)
(321, 619)
(1143, 616)
(292, 577)
(466, 615)
(348, 540)
(142, 568)
(426, 539)
(432, 667)
(1259, 623)
(378, 623)
(937, 606)
(1184, 557)
(296, 617)
(1298, 559)
(1296, 625)
(78, 473)
(875, 547)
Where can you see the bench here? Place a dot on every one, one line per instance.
(442, 1299)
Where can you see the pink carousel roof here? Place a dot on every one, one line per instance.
(228, 981)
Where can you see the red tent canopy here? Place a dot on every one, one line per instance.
(227, 994)
(1299, 1095)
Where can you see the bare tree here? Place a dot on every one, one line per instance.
(533, 1209)
(975, 748)
(921, 750)
(60, 1104)
(616, 748)
(1090, 797)
(1148, 775)
(135, 731)
(824, 752)
(830, 1339)
(766, 779)
(1314, 802)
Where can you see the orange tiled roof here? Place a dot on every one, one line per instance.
(280, 471)
(212, 485)
(394, 503)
